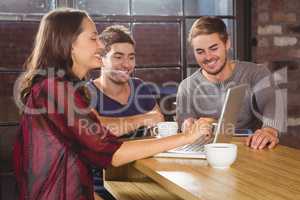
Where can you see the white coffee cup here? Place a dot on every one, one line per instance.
(164, 129)
(220, 155)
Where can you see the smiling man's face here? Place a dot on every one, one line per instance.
(210, 52)
(119, 62)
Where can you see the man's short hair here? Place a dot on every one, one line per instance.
(115, 34)
(208, 25)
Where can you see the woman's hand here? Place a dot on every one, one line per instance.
(188, 123)
(200, 130)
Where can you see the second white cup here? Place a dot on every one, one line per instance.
(164, 129)
(220, 155)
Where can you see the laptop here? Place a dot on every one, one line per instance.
(223, 130)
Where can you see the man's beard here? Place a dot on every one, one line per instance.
(112, 75)
(216, 72)
(116, 80)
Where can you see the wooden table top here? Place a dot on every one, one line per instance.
(256, 174)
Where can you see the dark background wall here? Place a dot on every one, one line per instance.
(276, 34)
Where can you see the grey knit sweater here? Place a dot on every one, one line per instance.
(263, 105)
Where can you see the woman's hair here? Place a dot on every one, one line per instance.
(115, 34)
(208, 25)
(52, 49)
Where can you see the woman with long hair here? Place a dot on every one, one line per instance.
(60, 136)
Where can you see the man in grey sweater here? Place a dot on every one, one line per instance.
(202, 94)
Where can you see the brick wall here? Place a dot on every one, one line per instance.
(157, 43)
(276, 29)
(16, 42)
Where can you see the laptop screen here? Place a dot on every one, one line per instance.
(230, 111)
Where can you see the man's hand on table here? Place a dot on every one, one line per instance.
(264, 137)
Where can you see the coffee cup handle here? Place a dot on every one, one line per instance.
(155, 131)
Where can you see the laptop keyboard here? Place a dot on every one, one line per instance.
(191, 148)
